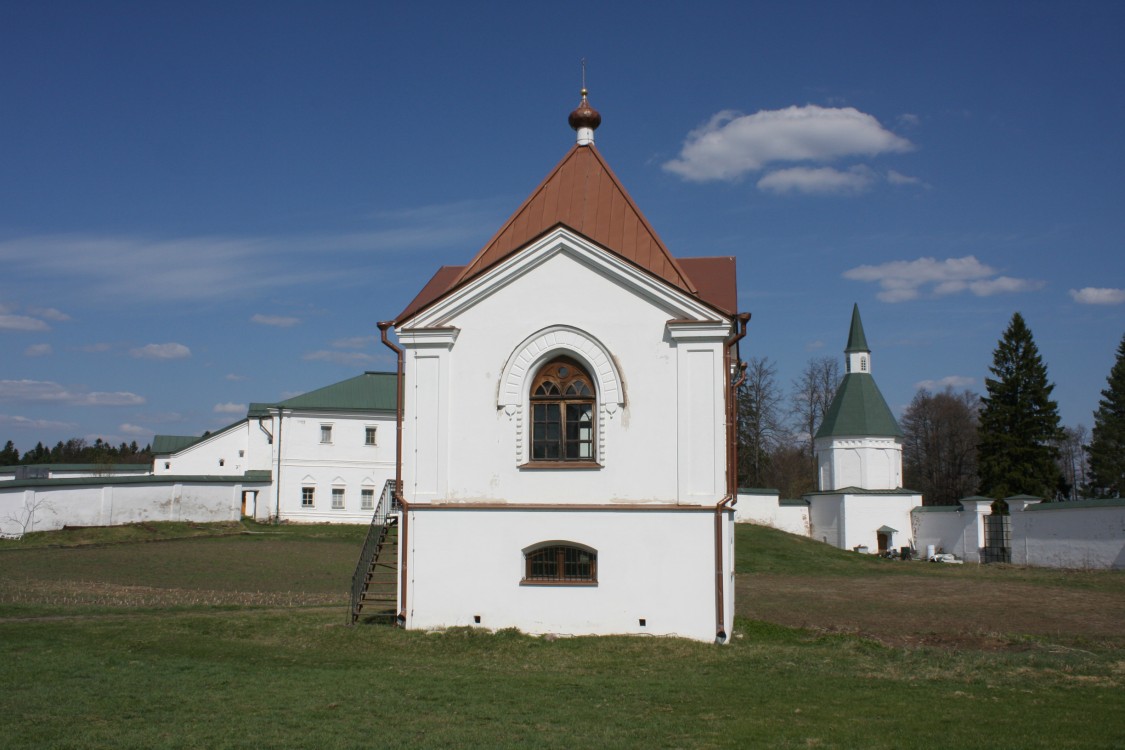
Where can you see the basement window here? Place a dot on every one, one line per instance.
(564, 563)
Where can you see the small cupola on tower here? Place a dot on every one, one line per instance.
(585, 120)
(857, 351)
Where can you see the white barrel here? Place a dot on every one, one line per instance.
(929, 551)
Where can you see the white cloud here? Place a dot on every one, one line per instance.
(22, 323)
(177, 269)
(339, 358)
(897, 178)
(731, 145)
(11, 420)
(1092, 295)
(132, 429)
(280, 321)
(1004, 285)
(50, 392)
(909, 120)
(161, 351)
(903, 280)
(234, 377)
(818, 181)
(949, 381)
(230, 408)
(354, 342)
(49, 313)
(38, 350)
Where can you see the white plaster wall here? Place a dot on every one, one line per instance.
(848, 521)
(202, 458)
(1056, 536)
(826, 519)
(49, 508)
(465, 448)
(347, 462)
(766, 510)
(954, 532)
(653, 565)
(867, 513)
(870, 463)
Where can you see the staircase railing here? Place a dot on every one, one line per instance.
(381, 520)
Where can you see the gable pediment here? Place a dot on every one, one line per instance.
(562, 241)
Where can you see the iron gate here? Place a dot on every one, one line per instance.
(997, 539)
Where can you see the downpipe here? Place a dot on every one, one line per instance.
(731, 496)
(403, 531)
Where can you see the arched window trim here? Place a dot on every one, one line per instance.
(560, 563)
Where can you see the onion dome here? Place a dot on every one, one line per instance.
(585, 120)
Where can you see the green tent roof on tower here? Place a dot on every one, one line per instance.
(858, 409)
(857, 342)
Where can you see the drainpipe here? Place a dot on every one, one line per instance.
(277, 478)
(403, 529)
(731, 496)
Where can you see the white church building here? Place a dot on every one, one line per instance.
(566, 423)
(860, 502)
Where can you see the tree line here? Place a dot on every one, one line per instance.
(77, 451)
(1007, 442)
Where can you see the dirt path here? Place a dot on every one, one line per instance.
(926, 610)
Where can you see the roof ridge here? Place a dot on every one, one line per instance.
(489, 255)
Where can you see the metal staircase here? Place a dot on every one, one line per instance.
(375, 581)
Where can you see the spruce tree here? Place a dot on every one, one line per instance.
(1107, 444)
(1018, 422)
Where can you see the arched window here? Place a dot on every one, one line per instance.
(562, 412)
(560, 562)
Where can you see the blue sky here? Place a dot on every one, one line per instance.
(208, 204)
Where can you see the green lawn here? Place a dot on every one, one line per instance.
(145, 659)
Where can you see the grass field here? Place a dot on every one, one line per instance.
(210, 637)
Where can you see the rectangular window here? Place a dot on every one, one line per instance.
(367, 500)
(326, 433)
(307, 496)
(369, 434)
(337, 498)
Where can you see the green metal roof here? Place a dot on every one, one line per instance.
(1113, 502)
(857, 342)
(172, 443)
(371, 390)
(859, 410)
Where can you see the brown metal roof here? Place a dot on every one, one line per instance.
(583, 193)
(716, 281)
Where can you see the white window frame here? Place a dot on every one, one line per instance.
(337, 498)
(370, 435)
(326, 434)
(367, 498)
(308, 497)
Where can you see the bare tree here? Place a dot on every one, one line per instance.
(940, 445)
(1073, 461)
(760, 427)
(813, 392)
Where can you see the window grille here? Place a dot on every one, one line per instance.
(561, 563)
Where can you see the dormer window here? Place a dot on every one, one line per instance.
(562, 412)
(863, 364)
